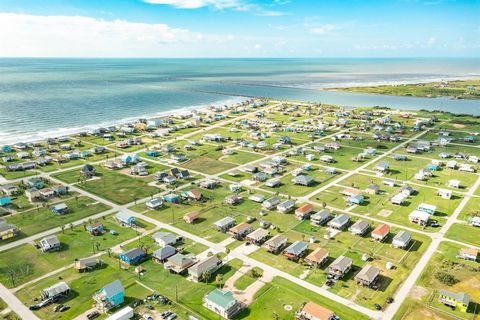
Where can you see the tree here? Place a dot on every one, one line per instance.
(446, 278)
(84, 226)
(206, 276)
(97, 246)
(71, 226)
(63, 229)
(219, 280)
(227, 251)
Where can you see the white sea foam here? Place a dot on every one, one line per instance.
(8, 138)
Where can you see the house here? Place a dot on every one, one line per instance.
(468, 254)
(56, 292)
(224, 224)
(303, 180)
(340, 222)
(474, 221)
(327, 159)
(466, 168)
(222, 303)
(161, 255)
(368, 275)
(110, 296)
(208, 184)
(7, 230)
(178, 263)
(455, 300)
(372, 189)
(276, 243)
(59, 208)
(95, 228)
(50, 243)
(402, 239)
(164, 238)
(340, 267)
(32, 194)
(9, 189)
(191, 216)
(206, 266)
(382, 166)
(304, 211)
(171, 198)
(271, 203)
(232, 199)
(452, 164)
(399, 198)
(260, 176)
(122, 314)
(194, 194)
(5, 201)
(258, 236)
(286, 206)
(351, 192)
(257, 198)
(317, 257)
(272, 183)
(380, 233)
(132, 256)
(46, 193)
(428, 208)
(454, 184)
(154, 203)
(313, 311)
(408, 190)
(125, 219)
(295, 250)
(419, 217)
(359, 228)
(86, 264)
(356, 200)
(35, 183)
(320, 217)
(240, 230)
(445, 193)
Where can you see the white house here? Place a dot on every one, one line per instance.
(445, 193)
(454, 183)
(419, 217)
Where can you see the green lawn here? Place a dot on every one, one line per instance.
(111, 185)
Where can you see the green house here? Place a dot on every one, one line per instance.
(459, 300)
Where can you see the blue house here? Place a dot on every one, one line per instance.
(35, 183)
(4, 201)
(125, 218)
(307, 167)
(60, 208)
(129, 158)
(132, 256)
(285, 140)
(152, 153)
(171, 198)
(357, 199)
(6, 149)
(433, 167)
(95, 228)
(110, 296)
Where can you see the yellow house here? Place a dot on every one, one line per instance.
(458, 300)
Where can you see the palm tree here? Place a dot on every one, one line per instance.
(71, 226)
(219, 280)
(63, 229)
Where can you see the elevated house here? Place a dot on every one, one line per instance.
(340, 222)
(320, 217)
(474, 221)
(402, 239)
(86, 264)
(271, 203)
(258, 236)
(204, 267)
(223, 225)
(50, 243)
(110, 296)
(95, 228)
(359, 228)
(240, 230)
(368, 275)
(222, 303)
(286, 206)
(154, 203)
(161, 255)
(60, 208)
(304, 211)
(296, 250)
(380, 233)
(178, 263)
(276, 243)
(340, 267)
(317, 257)
(313, 311)
(455, 300)
(7, 230)
(125, 219)
(419, 217)
(164, 238)
(55, 293)
(132, 256)
(191, 217)
(469, 254)
(303, 180)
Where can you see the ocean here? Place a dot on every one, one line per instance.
(50, 97)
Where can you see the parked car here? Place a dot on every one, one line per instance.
(165, 314)
(93, 315)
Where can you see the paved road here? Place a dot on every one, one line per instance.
(16, 305)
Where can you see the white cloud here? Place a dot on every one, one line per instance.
(323, 29)
(30, 35)
(195, 4)
(431, 41)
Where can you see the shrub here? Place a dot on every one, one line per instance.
(446, 278)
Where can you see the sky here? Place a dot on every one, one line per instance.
(239, 28)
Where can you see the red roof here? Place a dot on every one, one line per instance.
(381, 230)
(305, 208)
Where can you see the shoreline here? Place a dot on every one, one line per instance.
(59, 132)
